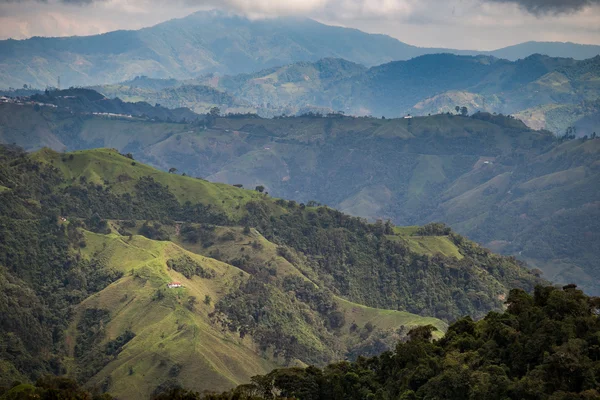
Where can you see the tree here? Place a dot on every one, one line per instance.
(215, 112)
(172, 170)
(464, 111)
(424, 333)
(260, 188)
(191, 302)
(207, 300)
(457, 108)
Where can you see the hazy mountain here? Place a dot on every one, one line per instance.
(545, 92)
(214, 42)
(184, 48)
(551, 49)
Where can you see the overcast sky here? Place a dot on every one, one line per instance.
(462, 24)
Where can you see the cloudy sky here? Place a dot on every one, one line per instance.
(462, 24)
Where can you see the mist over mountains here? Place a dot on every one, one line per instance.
(216, 42)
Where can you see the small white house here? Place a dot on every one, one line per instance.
(173, 285)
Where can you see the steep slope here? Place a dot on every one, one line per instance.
(91, 239)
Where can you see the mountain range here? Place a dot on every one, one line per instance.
(544, 92)
(217, 42)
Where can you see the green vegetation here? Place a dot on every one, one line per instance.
(49, 388)
(487, 176)
(265, 282)
(188, 267)
(542, 347)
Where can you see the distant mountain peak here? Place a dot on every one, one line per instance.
(221, 42)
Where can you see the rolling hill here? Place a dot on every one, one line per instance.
(214, 41)
(91, 239)
(489, 177)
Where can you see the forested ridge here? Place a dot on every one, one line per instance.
(544, 346)
(61, 215)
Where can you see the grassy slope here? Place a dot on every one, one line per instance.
(428, 245)
(385, 319)
(99, 165)
(167, 332)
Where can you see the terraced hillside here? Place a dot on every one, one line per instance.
(90, 240)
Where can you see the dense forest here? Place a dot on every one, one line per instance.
(544, 346)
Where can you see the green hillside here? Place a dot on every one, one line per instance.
(90, 240)
(170, 338)
(488, 176)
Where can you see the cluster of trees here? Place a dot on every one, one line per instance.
(188, 267)
(49, 388)
(434, 229)
(464, 111)
(545, 346)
